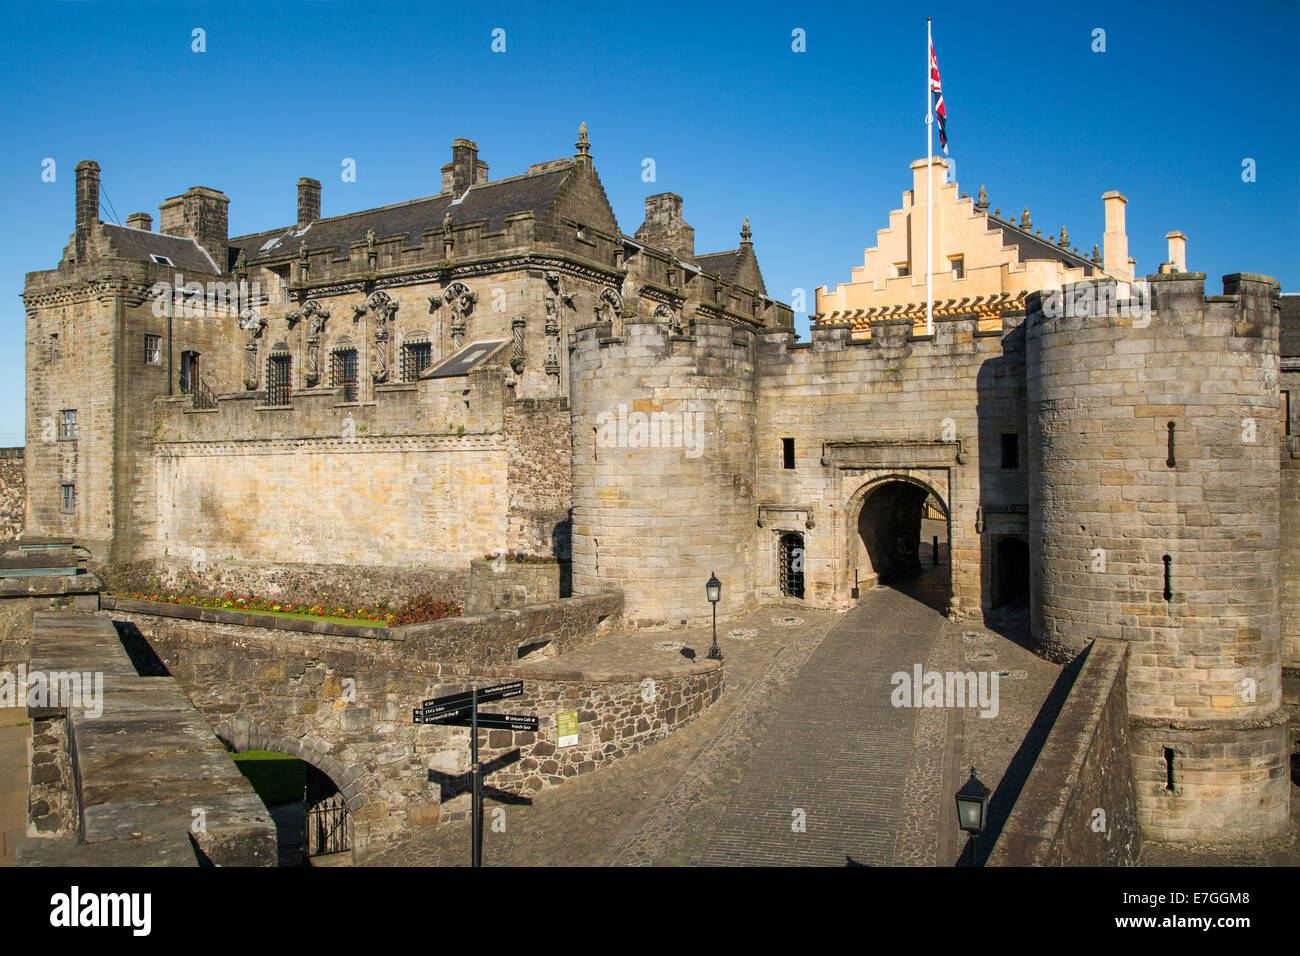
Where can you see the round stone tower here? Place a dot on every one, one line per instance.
(663, 466)
(1153, 504)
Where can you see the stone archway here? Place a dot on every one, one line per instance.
(886, 522)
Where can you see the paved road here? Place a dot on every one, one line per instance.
(826, 786)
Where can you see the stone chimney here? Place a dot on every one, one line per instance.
(465, 168)
(140, 220)
(1177, 251)
(200, 214)
(1115, 260)
(87, 206)
(308, 200)
(665, 228)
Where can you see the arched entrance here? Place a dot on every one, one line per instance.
(903, 539)
(1011, 569)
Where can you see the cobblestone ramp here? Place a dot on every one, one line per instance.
(839, 751)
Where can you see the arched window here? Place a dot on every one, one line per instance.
(279, 375)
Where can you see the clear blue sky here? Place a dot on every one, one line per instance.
(814, 147)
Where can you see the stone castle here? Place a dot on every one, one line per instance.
(379, 398)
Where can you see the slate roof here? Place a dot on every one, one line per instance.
(1290, 325)
(132, 243)
(492, 201)
(724, 264)
(1030, 246)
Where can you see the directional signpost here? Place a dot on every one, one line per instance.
(461, 710)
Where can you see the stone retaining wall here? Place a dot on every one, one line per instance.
(13, 493)
(21, 597)
(506, 584)
(355, 585)
(344, 704)
(1082, 773)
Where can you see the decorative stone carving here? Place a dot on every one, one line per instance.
(315, 314)
(447, 241)
(253, 324)
(460, 301)
(372, 254)
(380, 307)
(517, 357)
(557, 300)
(609, 308)
(667, 314)
(304, 263)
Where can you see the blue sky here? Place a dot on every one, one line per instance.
(814, 146)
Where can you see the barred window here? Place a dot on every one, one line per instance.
(67, 498)
(343, 372)
(153, 350)
(417, 354)
(279, 368)
(67, 424)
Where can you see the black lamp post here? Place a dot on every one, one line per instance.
(714, 590)
(972, 808)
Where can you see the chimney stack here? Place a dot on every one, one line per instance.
(87, 206)
(140, 220)
(1177, 251)
(1115, 260)
(200, 214)
(665, 228)
(308, 200)
(465, 168)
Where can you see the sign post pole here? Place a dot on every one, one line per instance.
(476, 802)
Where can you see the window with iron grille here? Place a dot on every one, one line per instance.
(343, 372)
(67, 498)
(792, 564)
(416, 356)
(153, 350)
(278, 369)
(67, 424)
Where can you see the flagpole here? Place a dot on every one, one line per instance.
(929, 184)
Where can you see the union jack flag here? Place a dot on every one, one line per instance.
(937, 93)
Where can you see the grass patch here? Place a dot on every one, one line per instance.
(277, 777)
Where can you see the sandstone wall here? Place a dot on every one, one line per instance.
(1079, 806)
(13, 493)
(656, 511)
(1204, 667)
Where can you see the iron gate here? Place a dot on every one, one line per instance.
(792, 564)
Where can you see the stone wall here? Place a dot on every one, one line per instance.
(928, 411)
(20, 598)
(663, 466)
(13, 493)
(357, 585)
(497, 638)
(1179, 555)
(539, 445)
(1079, 806)
(344, 705)
(497, 584)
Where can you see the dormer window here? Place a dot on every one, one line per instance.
(161, 260)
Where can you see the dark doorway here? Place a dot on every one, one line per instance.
(792, 564)
(904, 533)
(1012, 561)
(189, 372)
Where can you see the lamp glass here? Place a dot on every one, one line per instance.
(713, 589)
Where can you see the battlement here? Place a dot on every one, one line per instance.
(1162, 298)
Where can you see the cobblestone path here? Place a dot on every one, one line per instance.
(837, 757)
